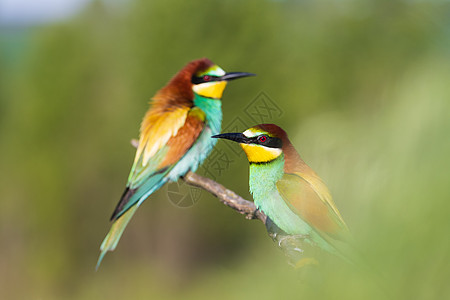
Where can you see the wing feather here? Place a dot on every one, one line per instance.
(147, 176)
(310, 199)
(156, 129)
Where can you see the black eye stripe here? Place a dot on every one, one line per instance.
(271, 142)
(198, 80)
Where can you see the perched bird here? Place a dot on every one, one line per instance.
(293, 197)
(174, 137)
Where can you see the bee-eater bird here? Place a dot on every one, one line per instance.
(174, 137)
(287, 190)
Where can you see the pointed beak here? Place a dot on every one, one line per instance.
(235, 75)
(236, 137)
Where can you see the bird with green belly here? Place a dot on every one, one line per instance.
(295, 200)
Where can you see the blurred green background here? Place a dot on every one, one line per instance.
(364, 92)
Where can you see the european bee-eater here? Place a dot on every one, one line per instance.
(174, 137)
(287, 190)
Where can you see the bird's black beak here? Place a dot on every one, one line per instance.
(235, 75)
(236, 137)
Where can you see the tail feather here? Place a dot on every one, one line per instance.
(126, 196)
(112, 239)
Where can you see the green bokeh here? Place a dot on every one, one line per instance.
(364, 91)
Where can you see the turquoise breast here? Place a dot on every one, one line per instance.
(204, 143)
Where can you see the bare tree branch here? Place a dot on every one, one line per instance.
(226, 196)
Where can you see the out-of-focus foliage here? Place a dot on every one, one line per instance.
(364, 89)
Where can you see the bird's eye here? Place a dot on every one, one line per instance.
(262, 138)
(206, 78)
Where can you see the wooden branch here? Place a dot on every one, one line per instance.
(226, 196)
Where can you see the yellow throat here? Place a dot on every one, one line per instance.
(260, 154)
(212, 89)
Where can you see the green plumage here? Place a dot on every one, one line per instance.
(263, 181)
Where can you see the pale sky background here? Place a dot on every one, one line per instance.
(28, 12)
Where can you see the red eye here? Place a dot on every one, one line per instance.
(206, 78)
(262, 138)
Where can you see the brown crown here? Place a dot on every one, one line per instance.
(178, 91)
(293, 161)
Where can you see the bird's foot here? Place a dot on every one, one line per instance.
(298, 250)
(300, 236)
(280, 240)
(291, 239)
(252, 215)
